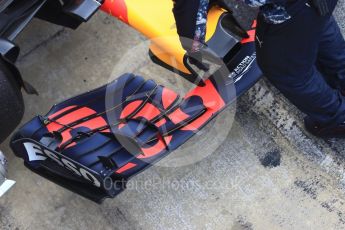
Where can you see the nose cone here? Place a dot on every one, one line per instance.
(3, 165)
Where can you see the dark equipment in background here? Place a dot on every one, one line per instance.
(15, 15)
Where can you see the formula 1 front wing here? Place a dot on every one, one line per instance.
(93, 143)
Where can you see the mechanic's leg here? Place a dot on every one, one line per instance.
(185, 13)
(287, 54)
(331, 55)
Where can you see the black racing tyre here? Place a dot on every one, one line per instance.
(11, 102)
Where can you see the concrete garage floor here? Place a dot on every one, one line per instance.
(263, 173)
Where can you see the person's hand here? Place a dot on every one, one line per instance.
(203, 64)
(203, 58)
(195, 58)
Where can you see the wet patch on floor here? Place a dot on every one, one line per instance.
(268, 152)
(271, 159)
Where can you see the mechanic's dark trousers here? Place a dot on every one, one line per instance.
(185, 13)
(304, 58)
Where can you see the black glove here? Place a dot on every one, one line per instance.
(195, 58)
(203, 58)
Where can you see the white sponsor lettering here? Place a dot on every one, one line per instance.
(242, 68)
(36, 152)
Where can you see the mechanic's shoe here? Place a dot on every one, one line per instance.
(325, 131)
